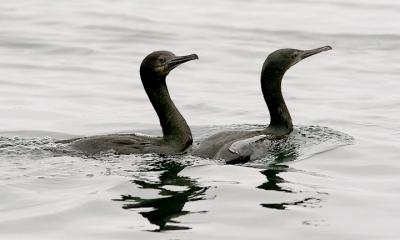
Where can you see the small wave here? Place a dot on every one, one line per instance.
(33, 148)
(304, 142)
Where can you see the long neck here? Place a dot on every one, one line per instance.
(281, 122)
(174, 127)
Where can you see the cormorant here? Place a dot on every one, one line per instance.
(239, 146)
(176, 133)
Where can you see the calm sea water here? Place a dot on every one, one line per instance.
(71, 68)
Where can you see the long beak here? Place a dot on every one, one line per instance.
(176, 61)
(308, 53)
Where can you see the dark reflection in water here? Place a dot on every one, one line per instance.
(286, 153)
(170, 204)
(274, 159)
(307, 202)
(274, 181)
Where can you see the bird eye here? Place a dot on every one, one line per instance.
(295, 55)
(162, 60)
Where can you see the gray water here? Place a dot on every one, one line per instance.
(70, 68)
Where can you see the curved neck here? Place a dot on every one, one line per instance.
(281, 122)
(174, 127)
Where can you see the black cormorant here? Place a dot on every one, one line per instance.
(238, 146)
(176, 133)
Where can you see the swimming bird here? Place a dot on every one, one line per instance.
(241, 146)
(176, 133)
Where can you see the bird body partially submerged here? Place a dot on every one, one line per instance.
(176, 132)
(239, 146)
(126, 144)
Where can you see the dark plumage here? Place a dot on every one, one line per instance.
(176, 133)
(240, 146)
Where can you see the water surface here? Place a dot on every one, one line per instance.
(71, 68)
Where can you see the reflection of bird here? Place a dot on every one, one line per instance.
(163, 209)
(176, 133)
(236, 146)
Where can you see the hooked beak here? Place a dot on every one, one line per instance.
(308, 53)
(302, 54)
(176, 61)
